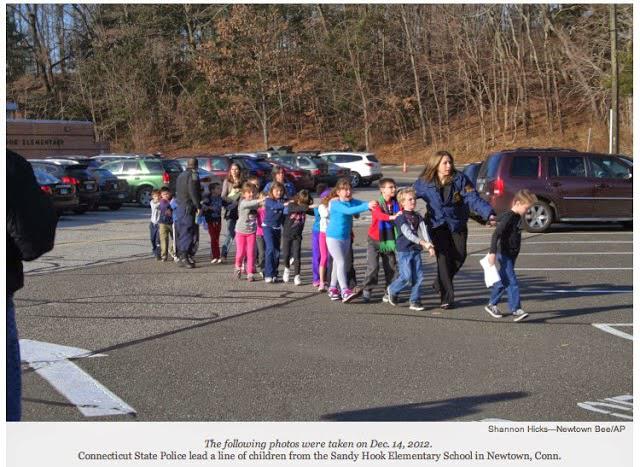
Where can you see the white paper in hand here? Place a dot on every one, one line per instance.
(491, 275)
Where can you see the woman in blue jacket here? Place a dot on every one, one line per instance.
(449, 196)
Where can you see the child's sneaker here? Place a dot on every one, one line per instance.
(322, 287)
(391, 299)
(261, 274)
(250, 278)
(366, 295)
(519, 315)
(268, 280)
(237, 273)
(214, 260)
(385, 298)
(297, 280)
(285, 275)
(175, 259)
(493, 311)
(334, 294)
(315, 284)
(416, 307)
(350, 294)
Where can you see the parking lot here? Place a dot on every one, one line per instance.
(174, 344)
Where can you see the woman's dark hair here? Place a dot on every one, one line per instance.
(235, 183)
(430, 172)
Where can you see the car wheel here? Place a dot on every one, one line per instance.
(355, 179)
(539, 217)
(143, 196)
(115, 206)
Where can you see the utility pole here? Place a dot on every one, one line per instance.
(614, 80)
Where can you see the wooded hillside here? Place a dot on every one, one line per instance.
(398, 79)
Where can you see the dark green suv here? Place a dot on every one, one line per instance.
(145, 175)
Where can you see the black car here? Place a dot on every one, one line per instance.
(471, 170)
(75, 174)
(113, 191)
(63, 195)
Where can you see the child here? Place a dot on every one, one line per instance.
(165, 224)
(381, 241)
(412, 238)
(231, 187)
(506, 243)
(322, 191)
(297, 211)
(153, 224)
(271, 229)
(260, 237)
(246, 231)
(325, 257)
(174, 205)
(341, 212)
(212, 204)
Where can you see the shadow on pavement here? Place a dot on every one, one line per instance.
(424, 411)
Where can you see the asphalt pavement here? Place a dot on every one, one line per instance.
(198, 345)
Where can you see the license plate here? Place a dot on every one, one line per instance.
(63, 191)
(89, 186)
(121, 196)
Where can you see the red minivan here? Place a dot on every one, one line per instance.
(571, 186)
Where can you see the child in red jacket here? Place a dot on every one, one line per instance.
(381, 242)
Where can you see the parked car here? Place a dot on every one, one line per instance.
(143, 175)
(471, 171)
(317, 170)
(63, 195)
(301, 179)
(571, 186)
(334, 171)
(214, 164)
(72, 173)
(113, 191)
(88, 161)
(364, 167)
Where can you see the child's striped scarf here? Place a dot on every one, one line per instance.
(387, 228)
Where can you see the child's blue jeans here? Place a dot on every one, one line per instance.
(409, 274)
(272, 251)
(508, 281)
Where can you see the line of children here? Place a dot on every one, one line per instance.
(397, 236)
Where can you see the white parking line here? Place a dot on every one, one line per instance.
(611, 329)
(574, 269)
(564, 243)
(586, 291)
(623, 403)
(568, 254)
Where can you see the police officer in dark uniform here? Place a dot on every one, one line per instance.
(188, 204)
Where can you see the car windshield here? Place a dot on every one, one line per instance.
(171, 166)
(102, 173)
(44, 178)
